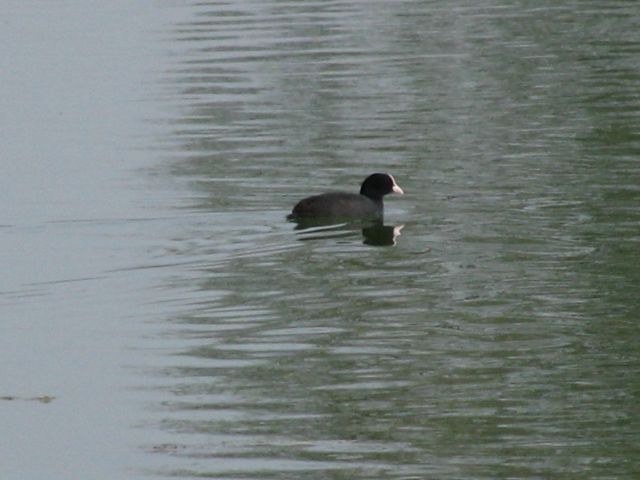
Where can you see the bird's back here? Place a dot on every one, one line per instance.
(337, 204)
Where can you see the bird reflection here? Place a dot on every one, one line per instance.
(381, 235)
(374, 233)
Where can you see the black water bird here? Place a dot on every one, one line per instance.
(341, 205)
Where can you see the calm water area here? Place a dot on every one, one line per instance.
(160, 317)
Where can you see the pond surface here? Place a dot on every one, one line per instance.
(160, 317)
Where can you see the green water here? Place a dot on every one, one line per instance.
(495, 337)
(498, 337)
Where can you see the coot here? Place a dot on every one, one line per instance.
(349, 205)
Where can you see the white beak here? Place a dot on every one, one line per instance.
(395, 188)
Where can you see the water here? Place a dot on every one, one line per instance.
(161, 318)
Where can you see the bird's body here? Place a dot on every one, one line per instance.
(337, 204)
(367, 204)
